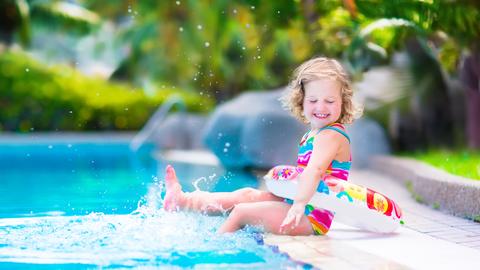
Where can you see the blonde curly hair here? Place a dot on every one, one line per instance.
(315, 69)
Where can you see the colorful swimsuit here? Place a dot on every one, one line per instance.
(321, 219)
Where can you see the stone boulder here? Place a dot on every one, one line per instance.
(180, 131)
(253, 130)
(368, 139)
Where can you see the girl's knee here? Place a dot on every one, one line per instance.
(250, 193)
(241, 213)
(239, 210)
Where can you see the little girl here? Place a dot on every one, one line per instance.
(320, 95)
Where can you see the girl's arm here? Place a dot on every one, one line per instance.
(325, 147)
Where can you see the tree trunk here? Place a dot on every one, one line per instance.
(470, 78)
(473, 118)
(309, 12)
(9, 21)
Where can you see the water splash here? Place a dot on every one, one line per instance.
(148, 236)
(206, 182)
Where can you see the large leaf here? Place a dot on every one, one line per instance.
(64, 15)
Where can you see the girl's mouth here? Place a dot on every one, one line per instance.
(321, 115)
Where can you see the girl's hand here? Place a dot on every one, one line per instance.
(293, 217)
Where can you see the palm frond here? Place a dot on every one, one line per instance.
(386, 23)
(65, 15)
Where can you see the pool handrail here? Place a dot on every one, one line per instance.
(155, 120)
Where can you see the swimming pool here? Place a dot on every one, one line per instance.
(78, 204)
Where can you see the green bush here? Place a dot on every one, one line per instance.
(36, 97)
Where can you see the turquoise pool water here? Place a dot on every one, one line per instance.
(80, 205)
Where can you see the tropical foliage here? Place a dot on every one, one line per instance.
(219, 48)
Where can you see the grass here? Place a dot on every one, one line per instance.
(464, 163)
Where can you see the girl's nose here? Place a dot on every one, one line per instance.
(320, 106)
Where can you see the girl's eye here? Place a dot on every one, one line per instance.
(329, 101)
(312, 101)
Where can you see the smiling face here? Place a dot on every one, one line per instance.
(322, 103)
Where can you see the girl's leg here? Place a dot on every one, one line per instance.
(267, 214)
(208, 202)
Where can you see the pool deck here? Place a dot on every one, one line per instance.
(429, 239)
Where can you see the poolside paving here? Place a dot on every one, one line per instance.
(429, 239)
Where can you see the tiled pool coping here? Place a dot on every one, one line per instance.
(40, 137)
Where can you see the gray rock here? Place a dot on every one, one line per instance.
(253, 130)
(180, 131)
(367, 140)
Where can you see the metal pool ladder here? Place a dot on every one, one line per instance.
(154, 122)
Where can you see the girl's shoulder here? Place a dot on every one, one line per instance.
(333, 131)
(334, 137)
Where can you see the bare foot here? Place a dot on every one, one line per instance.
(174, 198)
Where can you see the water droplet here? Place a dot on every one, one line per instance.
(207, 44)
(180, 29)
(126, 109)
(234, 11)
(225, 150)
(69, 145)
(199, 27)
(70, 112)
(50, 146)
(178, 3)
(227, 144)
(248, 25)
(252, 7)
(243, 48)
(27, 69)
